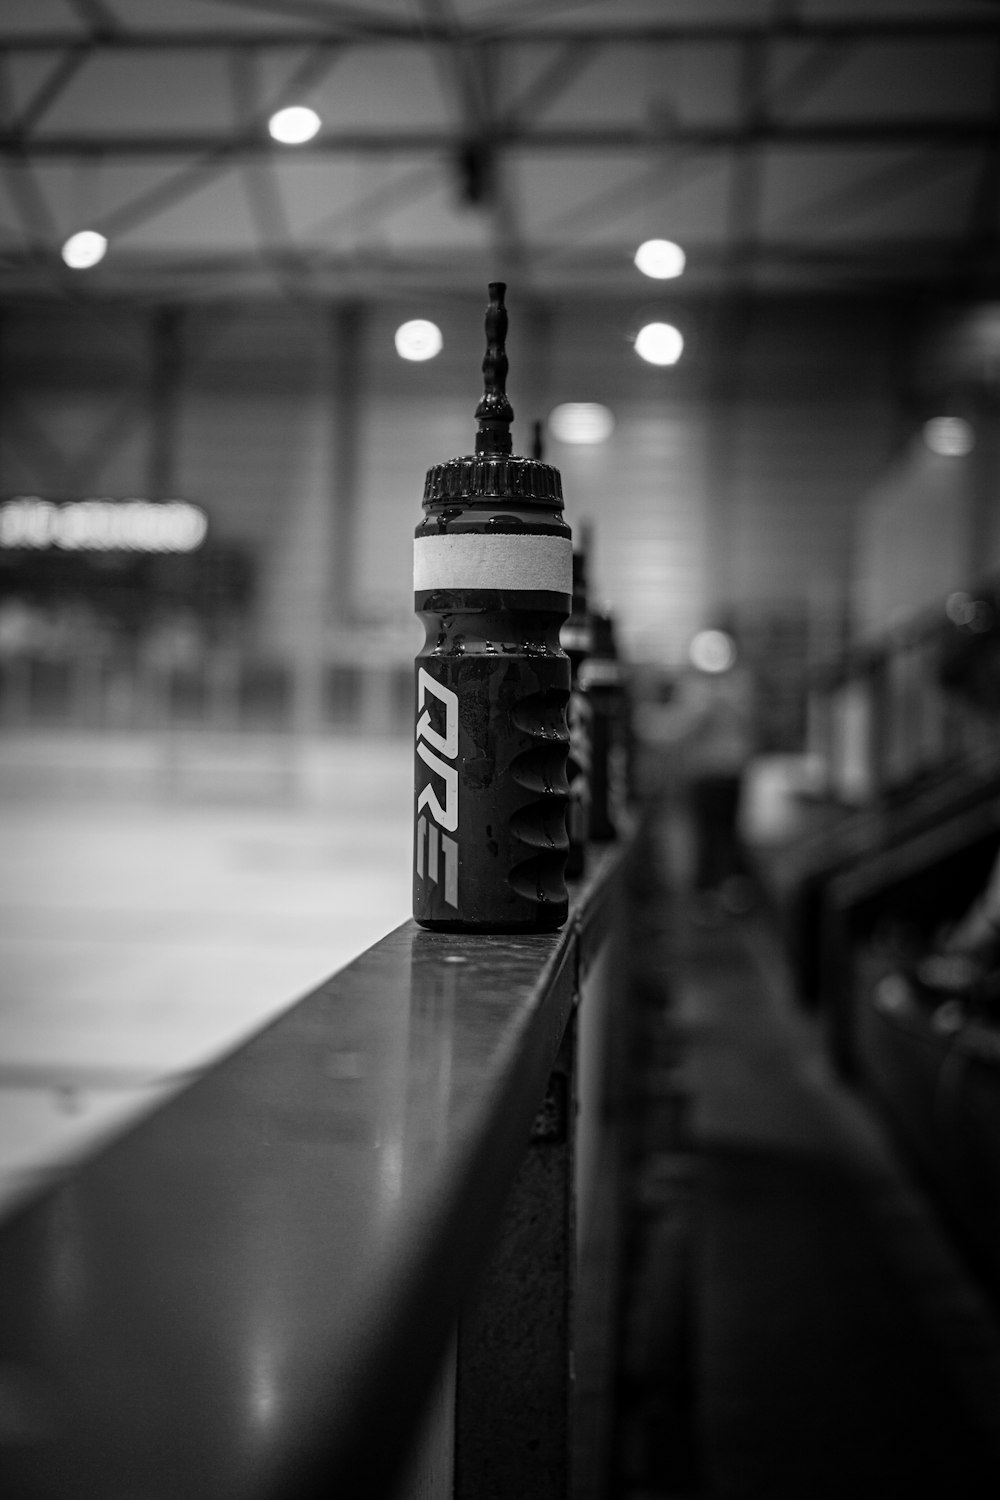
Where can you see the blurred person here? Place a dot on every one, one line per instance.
(713, 729)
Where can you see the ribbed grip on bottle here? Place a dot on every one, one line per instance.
(494, 478)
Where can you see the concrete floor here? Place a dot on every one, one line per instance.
(161, 899)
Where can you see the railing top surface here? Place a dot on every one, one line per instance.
(231, 1292)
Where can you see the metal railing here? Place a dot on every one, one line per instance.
(346, 1259)
(218, 690)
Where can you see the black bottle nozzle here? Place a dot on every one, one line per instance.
(482, 475)
(494, 412)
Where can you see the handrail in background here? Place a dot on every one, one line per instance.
(906, 731)
(912, 704)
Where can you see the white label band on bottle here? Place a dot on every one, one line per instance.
(470, 560)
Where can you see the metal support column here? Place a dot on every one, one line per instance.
(347, 333)
(515, 1359)
(164, 401)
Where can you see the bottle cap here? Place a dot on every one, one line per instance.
(492, 473)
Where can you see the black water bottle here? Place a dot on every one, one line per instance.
(492, 576)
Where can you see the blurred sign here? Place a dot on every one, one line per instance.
(101, 525)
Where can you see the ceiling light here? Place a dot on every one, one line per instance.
(712, 651)
(294, 126)
(660, 259)
(960, 608)
(659, 344)
(581, 422)
(418, 339)
(84, 249)
(952, 437)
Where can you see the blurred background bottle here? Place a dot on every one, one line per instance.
(492, 587)
(576, 638)
(604, 684)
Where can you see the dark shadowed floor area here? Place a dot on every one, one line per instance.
(798, 1323)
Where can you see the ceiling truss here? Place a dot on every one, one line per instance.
(797, 159)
